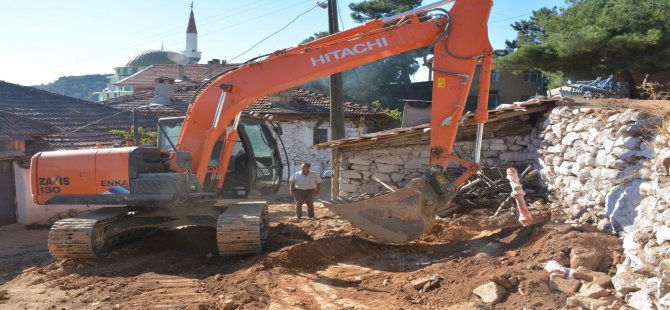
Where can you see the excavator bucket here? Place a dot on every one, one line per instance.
(397, 217)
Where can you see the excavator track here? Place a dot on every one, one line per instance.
(85, 237)
(242, 229)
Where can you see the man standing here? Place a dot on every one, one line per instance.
(305, 185)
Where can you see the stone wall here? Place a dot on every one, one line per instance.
(611, 168)
(644, 276)
(593, 160)
(298, 138)
(400, 162)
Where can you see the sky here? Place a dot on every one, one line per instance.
(42, 40)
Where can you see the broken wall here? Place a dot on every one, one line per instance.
(398, 162)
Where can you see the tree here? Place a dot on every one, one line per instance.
(81, 87)
(594, 38)
(371, 9)
(393, 70)
(369, 83)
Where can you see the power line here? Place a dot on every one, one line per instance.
(259, 42)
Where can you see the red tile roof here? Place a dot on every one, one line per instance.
(14, 127)
(78, 123)
(304, 102)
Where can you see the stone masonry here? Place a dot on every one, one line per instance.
(401, 163)
(298, 138)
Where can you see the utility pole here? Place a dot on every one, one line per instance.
(336, 97)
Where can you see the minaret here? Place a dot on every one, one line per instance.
(191, 50)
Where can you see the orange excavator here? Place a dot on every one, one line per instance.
(221, 156)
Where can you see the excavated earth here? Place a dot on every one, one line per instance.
(320, 264)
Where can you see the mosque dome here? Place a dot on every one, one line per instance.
(157, 57)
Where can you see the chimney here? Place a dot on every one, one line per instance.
(216, 61)
(283, 97)
(163, 92)
(180, 77)
(209, 69)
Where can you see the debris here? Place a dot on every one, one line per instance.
(518, 194)
(625, 282)
(586, 302)
(554, 267)
(229, 305)
(420, 284)
(558, 283)
(592, 290)
(528, 287)
(589, 258)
(502, 280)
(600, 278)
(490, 292)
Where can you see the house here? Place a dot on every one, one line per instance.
(396, 156)
(505, 88)
(33, 120)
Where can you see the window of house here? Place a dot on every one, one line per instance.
(531, 76)
(495, 76)
(321, 135)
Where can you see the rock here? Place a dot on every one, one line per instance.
(600, 278)
(426, 283)
(357, 280)
(641, 300)
(587, 257)
(290, 289)
(586, 302)
(558, 283)
(350, 174)
(592, 290)
(528, 287)
(419, 283)
(218, 277)
(396, 160)
(502, 280)
(624, 282)
(229, 305)
(621, 204)
(490, 292)
(4, 295)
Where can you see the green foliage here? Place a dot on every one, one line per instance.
(317, 35)
(81, 87)
(372, 81)
(593, 38)
(371, 9)
(146, 137)
(394, 115)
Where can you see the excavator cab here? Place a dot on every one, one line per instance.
(255, 167)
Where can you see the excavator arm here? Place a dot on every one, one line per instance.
(458, 39)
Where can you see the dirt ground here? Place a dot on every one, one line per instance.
(320, 264)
